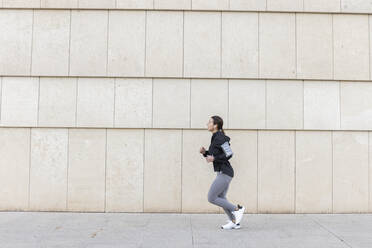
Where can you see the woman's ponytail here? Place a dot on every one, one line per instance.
(217, 120)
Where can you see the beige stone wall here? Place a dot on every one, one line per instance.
(104, 104)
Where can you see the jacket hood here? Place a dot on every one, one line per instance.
(227, 138)
(221, 136)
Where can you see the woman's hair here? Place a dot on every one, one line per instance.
(218, 120)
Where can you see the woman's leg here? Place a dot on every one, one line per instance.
(218, 186)
(228, 212)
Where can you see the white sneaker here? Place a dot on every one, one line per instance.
(238, 213)
(230, 225)
(230, 220)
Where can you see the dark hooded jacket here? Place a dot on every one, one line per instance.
(221, 162)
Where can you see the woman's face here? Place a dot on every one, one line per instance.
(210, 125)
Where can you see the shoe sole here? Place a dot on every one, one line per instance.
(236, 227)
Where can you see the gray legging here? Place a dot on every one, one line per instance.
(217, 194)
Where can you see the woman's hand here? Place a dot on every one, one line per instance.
(202, 150)
(209, 158)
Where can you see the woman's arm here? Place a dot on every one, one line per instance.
(206, 153)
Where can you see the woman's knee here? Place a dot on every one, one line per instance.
(211, 198)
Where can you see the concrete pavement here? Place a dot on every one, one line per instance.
(104, 230)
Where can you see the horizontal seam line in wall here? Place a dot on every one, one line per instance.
(206, 78)
(196, 10)
(194, 128)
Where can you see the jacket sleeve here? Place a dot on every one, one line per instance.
(218, 154)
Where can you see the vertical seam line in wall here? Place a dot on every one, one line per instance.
(152, 102)
(229, 4)
(76, 100)
(68, 147)
(369, 49)
(220, 44)
(333, 48)
(144, 68)
(181, 163)
(116, 4)
(303, 104)
(1, 95)
(369, 188)
(332, 167)
(258, 44)
(333, 72)
(32, 38)
(104, 208)
(183, 43)
(295, 164)
(69, 45)
(257, 171)
(29, 168)
(190, 103)
(295, 31)
(143, 171)
(38, 102)
(107, 39)
(265, 103)
(228, 103)
(114, 102)
(339, 101)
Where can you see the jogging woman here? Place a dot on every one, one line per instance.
(219, 152)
